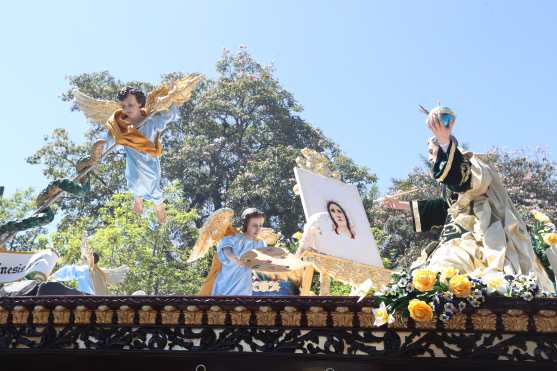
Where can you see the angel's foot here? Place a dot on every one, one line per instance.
(93, 158)
(138, 206)
(161, 213)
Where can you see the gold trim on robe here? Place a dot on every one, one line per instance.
(124, 133)
(416, 213)
(449, 163)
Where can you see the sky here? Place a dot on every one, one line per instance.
(359, 68)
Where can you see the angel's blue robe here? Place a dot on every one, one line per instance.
(143, 171)
(233, 279)
(79, 273)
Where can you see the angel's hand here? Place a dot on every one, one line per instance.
(302, 250)
(230, 255)
(239, 262)
(393, 203)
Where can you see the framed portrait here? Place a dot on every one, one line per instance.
(336, 211)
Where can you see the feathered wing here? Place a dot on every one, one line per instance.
(96, 110)
(162, 98)
(115, 276)
(217, 226)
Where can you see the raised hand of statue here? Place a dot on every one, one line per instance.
(440, 131)
(395, 204)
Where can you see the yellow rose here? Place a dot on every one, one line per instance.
(424, 279)
(420, 310)
(460, 286)
(541, 217)
(550, 238)
(297, 235)
(447, 274)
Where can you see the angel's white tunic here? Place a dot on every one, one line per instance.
(232, 278)
(143, 171)
(79, 273)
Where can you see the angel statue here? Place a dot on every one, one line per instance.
(135, 123)
(91, 279)
(230, 274)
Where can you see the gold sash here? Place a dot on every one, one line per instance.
(127, 135)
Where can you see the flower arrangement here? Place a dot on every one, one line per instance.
(425, 294)
(544, 239)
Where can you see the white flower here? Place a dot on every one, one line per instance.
(364, 289)
(382, 316)
(496, 282)
(532, 286)
(449, 307)
(528, 296)
(478, 273)
(475, 303)
(447, 295)
(478, 294)
(444, 317)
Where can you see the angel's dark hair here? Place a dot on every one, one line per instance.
(248, 217)
(137, 93)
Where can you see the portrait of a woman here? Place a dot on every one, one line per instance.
(341, 222)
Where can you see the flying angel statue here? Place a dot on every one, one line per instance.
(135, 122)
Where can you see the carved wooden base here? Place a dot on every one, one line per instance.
(285, 333)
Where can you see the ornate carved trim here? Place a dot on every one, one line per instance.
(503, 329)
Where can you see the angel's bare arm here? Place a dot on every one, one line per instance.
(227, 250)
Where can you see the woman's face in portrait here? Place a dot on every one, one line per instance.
(337, 215)
(254, 226)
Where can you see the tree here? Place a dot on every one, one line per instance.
(234, 146)
(18, 206)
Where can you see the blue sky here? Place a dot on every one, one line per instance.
(360, 68)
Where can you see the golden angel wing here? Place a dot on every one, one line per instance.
(214, 229)
(269, 236)
(162, 98)
(96, 110)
